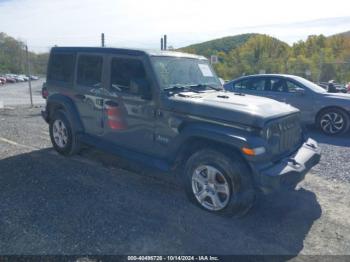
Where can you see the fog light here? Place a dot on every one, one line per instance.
(253, 151)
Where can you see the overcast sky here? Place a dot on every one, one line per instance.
(136, 23)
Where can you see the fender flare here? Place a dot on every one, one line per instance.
(58, 101)
(235, 138)
(228, 137)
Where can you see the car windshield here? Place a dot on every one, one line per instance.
(311, 85)
(184, 72)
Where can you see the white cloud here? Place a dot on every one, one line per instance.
(138, 23)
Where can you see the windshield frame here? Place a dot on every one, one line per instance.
(200, 61)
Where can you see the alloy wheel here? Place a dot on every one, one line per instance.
(210, 188)
(60, 133)
(332, 123)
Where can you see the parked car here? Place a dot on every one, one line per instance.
(338, 87)
(341, 88)
(24, 77)
(2, 80)
(329, 111)
(10, 79)
(34, 77)
(168, 110)
(17, 78)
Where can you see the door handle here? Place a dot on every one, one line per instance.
(80, 97)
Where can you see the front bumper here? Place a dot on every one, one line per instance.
(288, 172)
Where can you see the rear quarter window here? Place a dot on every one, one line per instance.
(61, 67)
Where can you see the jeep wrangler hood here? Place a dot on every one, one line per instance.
(229, 107)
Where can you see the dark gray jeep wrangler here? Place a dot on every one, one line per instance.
(167, 110)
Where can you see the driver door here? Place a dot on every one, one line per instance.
(129, 118)
(290, 92)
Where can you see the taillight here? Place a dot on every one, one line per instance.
(115, 117)
(44, 93)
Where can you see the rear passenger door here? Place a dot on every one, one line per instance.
(276, 89)
(129, 117)
(89, 85)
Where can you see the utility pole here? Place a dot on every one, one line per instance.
(321, 65)
(29, 80)
(103, 40)
(165, 42)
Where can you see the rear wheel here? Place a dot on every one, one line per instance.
(62, 136)
(333, 121)
(218, 183)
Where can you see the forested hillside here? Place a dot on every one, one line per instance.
(319, 58)
(13, 57)
(225, 44)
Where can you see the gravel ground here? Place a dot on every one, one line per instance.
(335, 164)
(18, 93)
(89, 204)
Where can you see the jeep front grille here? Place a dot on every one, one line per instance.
(285, 134)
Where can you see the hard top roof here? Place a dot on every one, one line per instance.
(125, 51)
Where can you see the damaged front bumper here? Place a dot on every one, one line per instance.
(288, 172)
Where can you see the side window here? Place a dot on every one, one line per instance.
(61, 67)
(241, 85)
(123, 72)
(278, 85)
(254, 84)
(292, 87)
(90, 70)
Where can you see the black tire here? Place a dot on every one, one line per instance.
(72, 146)
(333, 116)
(236, 173)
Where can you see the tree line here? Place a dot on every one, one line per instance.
(318, 58)
(13, 57)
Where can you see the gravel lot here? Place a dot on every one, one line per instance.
(18, 93)
(91, 204)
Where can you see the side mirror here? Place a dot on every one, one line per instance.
(299, 91)
(141, 87)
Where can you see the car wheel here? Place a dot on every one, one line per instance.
(218, 183)
(333, 121)
(62, 136)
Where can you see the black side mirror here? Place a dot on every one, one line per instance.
(141, 87)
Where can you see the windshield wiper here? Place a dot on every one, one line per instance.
(208, 86)
(181, 88)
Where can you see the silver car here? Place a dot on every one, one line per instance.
(329, 111)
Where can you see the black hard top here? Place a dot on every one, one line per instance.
(125, 51)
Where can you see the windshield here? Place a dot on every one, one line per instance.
(179, 71)
(311, 85)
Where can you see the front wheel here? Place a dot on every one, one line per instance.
(218, 183)
(333, 121)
